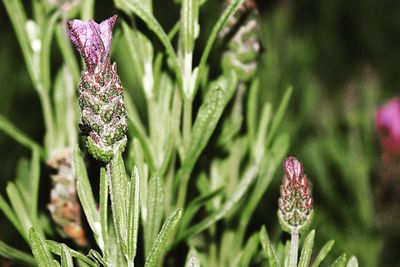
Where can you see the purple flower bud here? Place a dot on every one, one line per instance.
(92, 40)
(295, 202)
(388, 126)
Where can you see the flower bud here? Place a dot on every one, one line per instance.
(242, 35)
(295, 202)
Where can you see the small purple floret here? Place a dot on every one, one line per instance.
(388, 126)
(92, 40)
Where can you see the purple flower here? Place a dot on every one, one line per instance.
(93, 41)
(388, 126)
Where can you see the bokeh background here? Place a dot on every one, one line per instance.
(341, 57)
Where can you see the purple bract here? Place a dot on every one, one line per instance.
(92, 40)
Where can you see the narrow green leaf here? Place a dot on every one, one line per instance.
(323, 253)
(97, 257)
(118, 193)
(86, 197)
(133, 213)
(278, 116)
(56, 248)
(189, 17)
(66, 259)
(155, 205)
(34, 180)
(18, 18)
(205, 123)
(46, 39)
(140, 10)
(353, 262)
(14, 254)
(162, 238)
(39, 249)
(307, 250)
(137, 129)
(67, 52)
(340, 261)
(252, 111)
(250, 250)
(9, 213)
(259, 145)
(196, 204)
(104, 209)
(19, 207)
(229, 11)
(242, 188)
(12, 131)
(268, 249)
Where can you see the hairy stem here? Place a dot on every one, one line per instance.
(294, 247)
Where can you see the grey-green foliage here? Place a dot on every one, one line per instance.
(166, 154)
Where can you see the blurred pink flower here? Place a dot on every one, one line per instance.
(388, 126)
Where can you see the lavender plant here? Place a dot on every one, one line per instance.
(165, 200)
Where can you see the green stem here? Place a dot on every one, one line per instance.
(294, 247)
(187, 122)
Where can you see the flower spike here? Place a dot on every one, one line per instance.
(295, 202)
(100, 91)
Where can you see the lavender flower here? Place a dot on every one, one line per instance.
(388, 126)
(295, 202)
(100, 91)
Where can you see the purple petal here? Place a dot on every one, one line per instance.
(105, 28)
(293, 168)
(92, 40)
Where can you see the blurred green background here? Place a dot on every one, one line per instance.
(343, 60)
